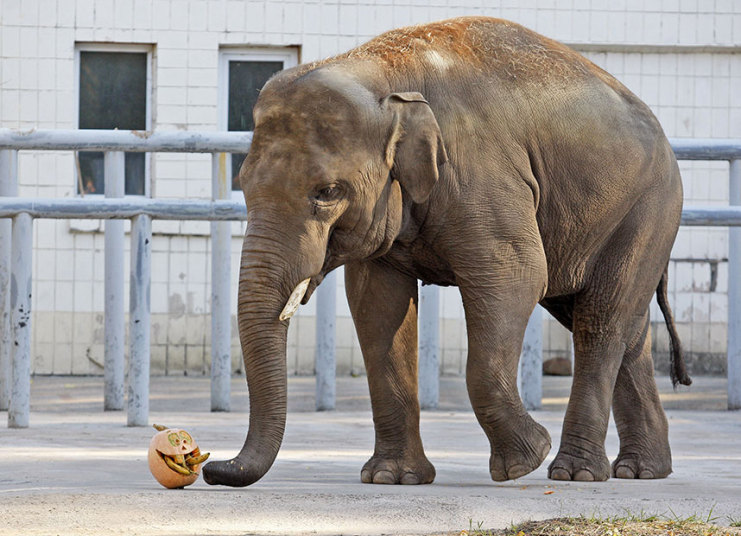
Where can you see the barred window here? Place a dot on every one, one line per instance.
(113, 91)
(244, 73)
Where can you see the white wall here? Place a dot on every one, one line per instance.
(682, 57)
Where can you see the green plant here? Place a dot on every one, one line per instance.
(476, 531)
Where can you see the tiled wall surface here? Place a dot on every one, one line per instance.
(683, 57)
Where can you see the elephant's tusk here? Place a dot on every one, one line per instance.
(294, 300)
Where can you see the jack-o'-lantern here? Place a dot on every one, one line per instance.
(174, 457)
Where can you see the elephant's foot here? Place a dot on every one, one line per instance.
(633, 465)
(385, 470)
(585, 469)
(515, 456)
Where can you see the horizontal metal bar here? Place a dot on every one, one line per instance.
(706, 149)
(722, 216)
(239, 142)
(176, 141)
(188, 209)
(126, 208)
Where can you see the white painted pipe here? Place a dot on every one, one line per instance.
(8, 188)
(429, 346)
(239, 142)
(325, 358)
(175, 141)
(221, 360)
(20, 303)
(530, 375)
(734, 294)
(139, 321)
(106, 209)
(232, 210)
(113, 361)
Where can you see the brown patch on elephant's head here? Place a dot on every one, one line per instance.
(506, 48)
(398, 47)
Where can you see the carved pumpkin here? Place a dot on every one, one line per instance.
(174, 457)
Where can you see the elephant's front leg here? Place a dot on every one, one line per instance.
(497, 310)
(383, 303)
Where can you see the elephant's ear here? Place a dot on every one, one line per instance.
(415, 147)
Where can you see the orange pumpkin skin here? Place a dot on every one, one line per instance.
(171, 442)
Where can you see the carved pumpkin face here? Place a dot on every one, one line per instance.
(174, 458)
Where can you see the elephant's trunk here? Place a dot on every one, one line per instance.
(265, 283)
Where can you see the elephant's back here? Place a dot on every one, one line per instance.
(492, 47)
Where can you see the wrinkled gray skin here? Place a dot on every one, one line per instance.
(474, 153)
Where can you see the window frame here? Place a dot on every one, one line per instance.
(290, 57)
(86, 46)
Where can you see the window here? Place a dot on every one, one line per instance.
(113, 93)
(243, 73)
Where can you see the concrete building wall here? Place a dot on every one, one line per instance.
(683, 57)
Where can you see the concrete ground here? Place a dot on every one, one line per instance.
(79, 470)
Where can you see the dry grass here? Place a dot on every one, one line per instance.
(617, 526)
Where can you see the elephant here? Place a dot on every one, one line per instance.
(470, 152)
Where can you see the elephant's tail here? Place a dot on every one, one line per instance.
(678, 370)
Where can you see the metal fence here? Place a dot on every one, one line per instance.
(16, 221)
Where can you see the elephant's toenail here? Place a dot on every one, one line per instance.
(559, 474)
(624, 471)
(498, 476)
(384, 477)
(409, 479)
(583, 475)
(516, 471)
(646, 474)
(366, 477)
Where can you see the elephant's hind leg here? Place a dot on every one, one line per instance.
(383, 303)
(640, 419)
(598, 350)
(604, 326)
(609, 326)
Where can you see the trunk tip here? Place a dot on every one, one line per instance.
(235, 473)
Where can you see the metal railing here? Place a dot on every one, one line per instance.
(16, 220)
(15, 259)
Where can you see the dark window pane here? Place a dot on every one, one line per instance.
(246, 78)
(91, 167)
(113, 94)
(134, 174)
(113, 90)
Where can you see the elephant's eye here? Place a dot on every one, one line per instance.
(328, 194)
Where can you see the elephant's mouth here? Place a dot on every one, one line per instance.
(330, 263)
(313, 283)
(303, 291)
(300, 295)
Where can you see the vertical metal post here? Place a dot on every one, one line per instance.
(734, 294)
(530, 377)
(429, 346)
(113, 362)
(221, 360)
(20, 304)
(139, 321)
(326, 358)
(8, 188)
